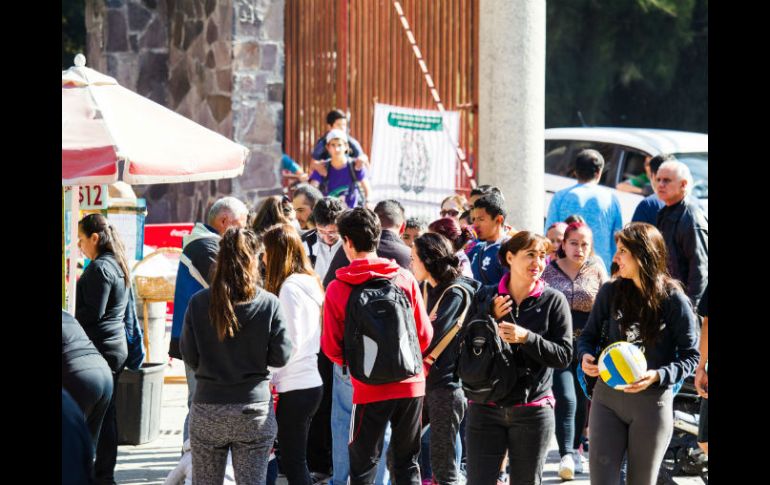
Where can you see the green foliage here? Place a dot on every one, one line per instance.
(641, 63)
(73, 31)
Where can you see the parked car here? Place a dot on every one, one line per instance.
(624, 151)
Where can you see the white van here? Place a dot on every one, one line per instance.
(624, 151)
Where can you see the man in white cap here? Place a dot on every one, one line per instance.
(343, 176)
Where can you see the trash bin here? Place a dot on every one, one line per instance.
(138, 404)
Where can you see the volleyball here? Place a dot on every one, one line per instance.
(621, 363)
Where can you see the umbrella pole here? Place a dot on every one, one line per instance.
(63, 250)
(74, 252)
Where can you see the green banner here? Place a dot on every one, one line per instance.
(415, 122)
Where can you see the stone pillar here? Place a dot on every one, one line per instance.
(512, 106)
(258, 74)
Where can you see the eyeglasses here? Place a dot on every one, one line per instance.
(450, 213)
(327, 233)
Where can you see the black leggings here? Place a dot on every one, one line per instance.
(107, 446)
(640, 424)
(91, 388)
(295, 411)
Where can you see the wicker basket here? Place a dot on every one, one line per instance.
(155, 287)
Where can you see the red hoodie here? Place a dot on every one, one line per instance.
(337, 293)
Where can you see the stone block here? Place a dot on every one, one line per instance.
(138, 17)
(275, 92)
(260, 171)
(226, 126)
(159, 212)
(224, 186)
(262, 127)
(117, 33)
(133, 40)
(188, 188)
(274, 21)
(192, 29)
(151, 4)
(210, 62)
(177, 30)
(220, 106)
(178, 84)
(209, 6)
(222, 53)
(153, 75)
(225, 14)
(211, 32)
(115, 3)
(224, 80)
(155, 35)
(246, 56)
(185, 206)
(269, 54)
(197, 50)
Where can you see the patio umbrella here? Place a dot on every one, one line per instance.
(104, 123)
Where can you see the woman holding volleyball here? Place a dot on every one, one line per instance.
(648, 308)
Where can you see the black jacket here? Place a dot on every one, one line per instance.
(391, 247)
(686, 232)
(100, 308)
(77, 351)
(442, 372)
(549, 343)
(675, 356)
(236, 370)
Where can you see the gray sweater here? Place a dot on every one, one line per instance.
(235, 371)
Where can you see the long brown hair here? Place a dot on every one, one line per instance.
(285, 256)
(235, 279)
(109, 240)
(643, 305)
(273, 210)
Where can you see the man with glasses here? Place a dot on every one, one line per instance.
(322, 243)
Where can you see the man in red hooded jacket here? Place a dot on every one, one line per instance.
(399, 403)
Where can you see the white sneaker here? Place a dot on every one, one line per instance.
(580, 463)
(567, 468)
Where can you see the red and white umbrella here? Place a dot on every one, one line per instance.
(104, 123)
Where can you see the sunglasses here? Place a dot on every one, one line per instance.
(450, 213)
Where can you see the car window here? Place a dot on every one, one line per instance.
(634, 164)
(698, 163)
(556, 160)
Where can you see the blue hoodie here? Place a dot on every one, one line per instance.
(199, 252)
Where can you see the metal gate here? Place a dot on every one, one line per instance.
(349, 54)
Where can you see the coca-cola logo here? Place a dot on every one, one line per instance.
(179, 232)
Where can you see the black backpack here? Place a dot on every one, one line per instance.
(380, 342)
(485, 364)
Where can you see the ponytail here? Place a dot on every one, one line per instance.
(109, 240)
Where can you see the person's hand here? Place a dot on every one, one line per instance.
(303, 177)
(362, 161)
(433, 317)
(501, 305)
(648, 378)
(512, 333)
(319, 167)
(702, 382)
(588, 366)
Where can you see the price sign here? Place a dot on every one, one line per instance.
(93, 197)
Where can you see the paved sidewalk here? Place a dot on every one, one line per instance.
(150, 463)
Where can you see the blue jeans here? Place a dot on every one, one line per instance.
(342, 408)
(571, 406)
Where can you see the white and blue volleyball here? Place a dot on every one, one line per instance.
(622, 363)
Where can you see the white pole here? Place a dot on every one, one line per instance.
(74, 251)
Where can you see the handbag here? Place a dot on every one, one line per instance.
(447, 338)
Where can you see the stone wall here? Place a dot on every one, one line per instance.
(217, 62)
(258, 73)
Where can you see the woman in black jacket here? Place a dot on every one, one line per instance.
(232, 332)
(100, 306)
(535, 320)
(448, 296)
(646, 307)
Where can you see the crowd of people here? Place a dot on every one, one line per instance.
(333, 337)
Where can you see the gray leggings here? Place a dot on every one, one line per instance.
(446, 408)
(640, 424)
(248, 430)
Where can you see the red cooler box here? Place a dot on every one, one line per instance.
(167, 236)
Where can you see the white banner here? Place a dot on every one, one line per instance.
(413, 159)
